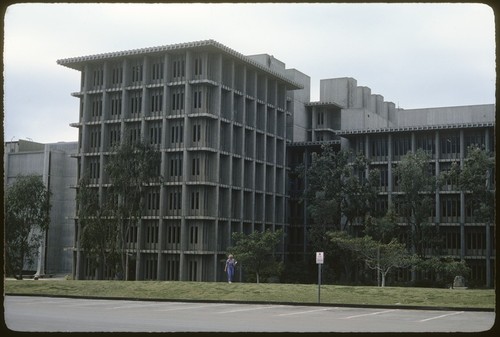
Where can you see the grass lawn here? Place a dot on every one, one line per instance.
(264, 292)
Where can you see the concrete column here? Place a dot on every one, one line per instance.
(183, 265)
(462, 200)
(389, 170)
(438, 171)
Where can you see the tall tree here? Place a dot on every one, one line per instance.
(339, 192)
(131, 169)
(417, 185)
(474, 180)
(99, 234)
(255, 252)
(27, 208)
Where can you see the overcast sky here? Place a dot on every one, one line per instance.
(415, 55)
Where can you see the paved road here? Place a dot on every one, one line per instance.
(24, 313)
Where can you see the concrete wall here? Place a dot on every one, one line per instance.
(339, 90)
(269, 61)
(445, 115)
(61, 232)
(298, 123)
(361, 119)
(52, 162)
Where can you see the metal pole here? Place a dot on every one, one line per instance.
(319, 282)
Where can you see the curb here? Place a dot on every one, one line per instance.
(342, 305)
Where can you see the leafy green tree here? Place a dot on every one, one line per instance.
(27, 208)
(382, 257)
(339, 193)
(255, 252)
(131, 168)
(418, 185)
(99, 235)
(473, 179)
(382, 229)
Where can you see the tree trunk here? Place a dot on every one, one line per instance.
(383, 278)
(257, 275)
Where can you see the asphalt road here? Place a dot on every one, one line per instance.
(48, 314)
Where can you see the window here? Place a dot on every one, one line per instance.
(98, 79)
(116, 105)
(320, 118)
(173, 233)
(178, 100)
(197, 99)
(193, 235)
(176, 134)
(94, 169)
(401, 146)
(427, 143)
(157, 71)
(137, 73)
(197, 66)
(178, 68)
(196, 133)
(195, 200)
(450, 145)
(155, 134)
(135, 102)
(114, 135)
(153, 202)
(450, 208)
(156, 101)
(175, 200)
(95, 139)
(378, 147)
(195, 168)
(96, 109)
(134, 134)
(176, 167)
(117, 75)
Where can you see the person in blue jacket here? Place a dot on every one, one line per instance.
(229, 268)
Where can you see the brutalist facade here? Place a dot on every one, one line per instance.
(229, 127)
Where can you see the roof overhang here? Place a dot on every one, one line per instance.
(78, 63)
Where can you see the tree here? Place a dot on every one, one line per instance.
(418, 185)
(473, 179)
(338, 194)
(131, 169)
(382, 257)
(99, 234)
(255, 252)
(27, 210)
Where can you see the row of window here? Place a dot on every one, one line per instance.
(449, 144)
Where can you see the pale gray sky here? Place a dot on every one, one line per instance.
(415, 55)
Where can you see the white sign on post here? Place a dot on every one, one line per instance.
(320, 257)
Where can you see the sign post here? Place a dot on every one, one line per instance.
(320, 256)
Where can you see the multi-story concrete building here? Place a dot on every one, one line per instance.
(53, 163)
(221, 121)
(350, 117)
(228, 127)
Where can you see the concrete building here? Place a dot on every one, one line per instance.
(52, 162)
(350, 117)
(221, 121)
(229, 126)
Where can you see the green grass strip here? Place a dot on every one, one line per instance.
(264, 292)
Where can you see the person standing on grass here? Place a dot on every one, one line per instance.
(229, 268)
